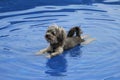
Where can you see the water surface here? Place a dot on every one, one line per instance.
(22, 35)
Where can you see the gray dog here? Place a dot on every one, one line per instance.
(60, 41)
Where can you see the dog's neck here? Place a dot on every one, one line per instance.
(54, 46)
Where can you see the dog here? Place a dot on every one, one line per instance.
(59, 40)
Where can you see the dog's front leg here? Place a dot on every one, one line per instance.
(43, 51)
(58, 51)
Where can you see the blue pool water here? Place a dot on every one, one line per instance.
(22, 28)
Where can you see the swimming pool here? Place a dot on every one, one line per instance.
(22, 29)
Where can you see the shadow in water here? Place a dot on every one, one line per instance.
(58, 64)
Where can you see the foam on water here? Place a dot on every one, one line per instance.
(22, 35)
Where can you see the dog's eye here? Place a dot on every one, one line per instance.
(53, 32)
(48, 31)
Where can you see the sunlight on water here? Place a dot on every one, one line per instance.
(22, 35)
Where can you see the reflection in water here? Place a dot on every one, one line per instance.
(58, 65)
(74, 52)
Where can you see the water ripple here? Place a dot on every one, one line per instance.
(22, 34)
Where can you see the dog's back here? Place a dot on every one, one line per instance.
(71, 42)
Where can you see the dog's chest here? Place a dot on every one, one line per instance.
(53, 48)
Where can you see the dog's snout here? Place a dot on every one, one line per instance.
(47, 35)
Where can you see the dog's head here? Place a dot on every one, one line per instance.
(55, 35)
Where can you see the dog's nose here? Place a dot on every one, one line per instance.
(47, 35)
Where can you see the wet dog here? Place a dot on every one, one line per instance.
(59, 40)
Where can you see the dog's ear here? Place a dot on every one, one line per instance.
(61, 36)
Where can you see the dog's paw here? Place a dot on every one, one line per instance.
(49, 56)
(87, 41)
(85, 36)
(39, 53)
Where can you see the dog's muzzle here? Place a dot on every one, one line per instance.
(48, 36)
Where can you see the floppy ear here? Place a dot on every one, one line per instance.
(61, 36)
